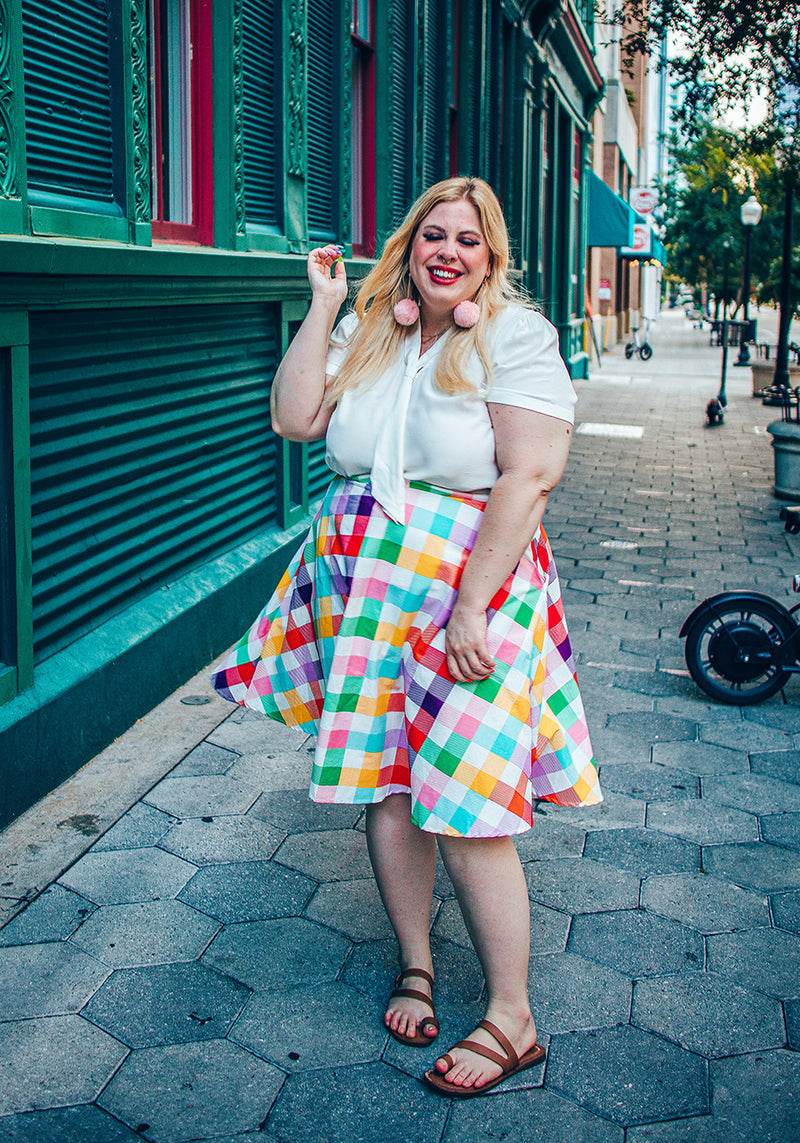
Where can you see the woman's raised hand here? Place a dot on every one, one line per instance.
(320, 262)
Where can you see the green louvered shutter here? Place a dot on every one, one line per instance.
(401, 111)
(72, 129)
(434, 88)
(323, 171)
(151, 452)
(262, 118)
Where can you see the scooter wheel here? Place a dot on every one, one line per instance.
(630, 350)
(734, 653)
(646, 352)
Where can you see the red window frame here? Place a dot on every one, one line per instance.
(199, 232)
(364, 132)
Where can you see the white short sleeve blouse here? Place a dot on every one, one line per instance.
(403, 428)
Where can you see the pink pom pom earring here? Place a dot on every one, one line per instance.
(466, 314)
(406, 311)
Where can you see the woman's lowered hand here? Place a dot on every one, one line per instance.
(468, 657)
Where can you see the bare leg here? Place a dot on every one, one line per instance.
(404, 862)
(490, 886)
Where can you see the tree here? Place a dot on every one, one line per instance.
(713, 174)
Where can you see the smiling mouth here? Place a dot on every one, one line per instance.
(443, 274)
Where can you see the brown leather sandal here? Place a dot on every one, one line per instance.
(420, 1038)
(511, 1063)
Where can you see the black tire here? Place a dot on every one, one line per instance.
(630, 350)
(732, 651)
(646, 352)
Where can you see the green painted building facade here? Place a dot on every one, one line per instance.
(165, 165)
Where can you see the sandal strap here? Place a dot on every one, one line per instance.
(420, 972)
(507, 1062)
(413, 994)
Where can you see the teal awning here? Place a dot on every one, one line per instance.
(647, 247)
(610, 218)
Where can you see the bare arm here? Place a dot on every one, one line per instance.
(298, 389)
(532, 452)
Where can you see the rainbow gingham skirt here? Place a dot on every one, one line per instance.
(351, 648)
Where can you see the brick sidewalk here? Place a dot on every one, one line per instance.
(214, 965)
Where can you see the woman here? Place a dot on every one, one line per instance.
(419, 631)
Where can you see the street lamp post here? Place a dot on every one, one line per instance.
(751, 216)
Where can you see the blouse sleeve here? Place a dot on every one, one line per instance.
(527, 369)
(339, 344)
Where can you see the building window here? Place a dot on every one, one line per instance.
(180, 109)
(363, 56)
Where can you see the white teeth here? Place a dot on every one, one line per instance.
(445, 275)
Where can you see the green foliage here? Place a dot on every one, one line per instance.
(713, 174)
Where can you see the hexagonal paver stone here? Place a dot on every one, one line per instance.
(569, 993)
(372, 967)
(293, 810)
(643, 851)
(577, 885)
(707, 1014)
(786, 911)
(51, 917)
(548, 928)
(757, 737)
(87, 1124)
(792, 1009)
(616, 812)
(635, 942)
(278, 954)
(701, 758)
(755, 865)
(698, 1129)
(758, 1093)
(192, 1091)
(148, 932)
(324, 1025)
(707, 903)
(550, 837)
(248, 891)
(197, 797)
(140, 827)
(166, 1004)
(353, 908)
(124, 875)
(327, 855)
(643, 728)
(648, 781)
(213, 841)
(526, 1117)
(248, 732)
(765, 959)
(754, 792)
(706, 823)
(781, 764)
(358, 1104)
(46, 980)
(781, 829)
(628, 1075)
(54, 1062)
(281, 770)
(205, 759)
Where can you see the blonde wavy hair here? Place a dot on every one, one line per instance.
(378, 337)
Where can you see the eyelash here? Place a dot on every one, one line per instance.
(436, 238)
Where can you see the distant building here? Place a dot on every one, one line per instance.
(165, 165)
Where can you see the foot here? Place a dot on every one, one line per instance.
(468, 1069)
(410, 1016)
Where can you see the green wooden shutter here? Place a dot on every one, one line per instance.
(433, 93)
(323, 170)
(151, 452)
(262, 115)
(401, 110)
(70, 50)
